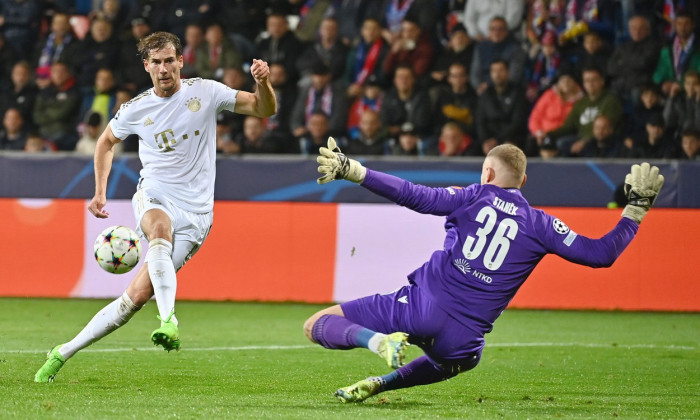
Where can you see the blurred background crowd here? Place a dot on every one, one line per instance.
(570, 78)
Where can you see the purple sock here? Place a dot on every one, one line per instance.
(423, 371)
(336, 332)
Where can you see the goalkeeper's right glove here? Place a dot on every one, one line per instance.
(642, 186)
(335, 165)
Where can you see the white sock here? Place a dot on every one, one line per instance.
(162, 273)
(111, 317)
(373, 343)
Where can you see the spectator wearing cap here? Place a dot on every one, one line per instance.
(500, 45)
(371, 138)
(371, 98)
(57, 108)
(543, 68)
(459, 49)
(328, 49)
(322, 96)
(130, 72)
(457, 101)
(413, 48)
(478, 16)
(550, 112)
(502, 111)
(633, 62)
(409, 142)
(216, 53)
(94, 124)
(406, 102)
(366, 58)
(655, 142)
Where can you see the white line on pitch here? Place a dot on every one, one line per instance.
(244, 348)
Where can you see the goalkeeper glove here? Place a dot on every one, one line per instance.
(335, 165)
(642, 186)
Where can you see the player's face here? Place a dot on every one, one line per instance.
(164, 67)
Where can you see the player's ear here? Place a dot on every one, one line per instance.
(524, 181)
(145, 65)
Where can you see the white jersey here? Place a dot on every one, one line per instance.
(177, 138)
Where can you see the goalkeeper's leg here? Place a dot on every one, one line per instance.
(421, 371)
(332, 330)
(107, 320)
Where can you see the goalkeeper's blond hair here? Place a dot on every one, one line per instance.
(512, 158)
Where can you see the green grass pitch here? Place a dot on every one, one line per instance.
(250, 360)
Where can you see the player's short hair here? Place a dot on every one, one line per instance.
(512, 157)
(157, 41)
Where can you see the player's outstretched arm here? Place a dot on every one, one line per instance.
(642, 186)
(104, 154)
(335, 165)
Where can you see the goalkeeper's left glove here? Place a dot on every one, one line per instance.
(335, 165)
(642, 186)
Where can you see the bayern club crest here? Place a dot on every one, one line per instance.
(560, 227)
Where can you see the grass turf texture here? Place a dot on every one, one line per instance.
(252, 361)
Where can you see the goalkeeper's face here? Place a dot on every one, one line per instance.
(164, 67)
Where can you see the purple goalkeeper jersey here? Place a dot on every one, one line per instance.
(493, 241)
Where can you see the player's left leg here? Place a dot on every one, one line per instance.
(421, 371)
(332, 330)
(189, 232)
(157, 226)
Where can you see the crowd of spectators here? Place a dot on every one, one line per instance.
(570, 78)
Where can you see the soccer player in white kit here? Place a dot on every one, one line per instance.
(173, 204)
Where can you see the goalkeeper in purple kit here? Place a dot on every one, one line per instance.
(493, 241)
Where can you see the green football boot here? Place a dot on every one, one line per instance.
(360, 391)
(54, 362)
(168, 335)
(391, 349)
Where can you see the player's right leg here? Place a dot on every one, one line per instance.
(332, 330)
(108, 319)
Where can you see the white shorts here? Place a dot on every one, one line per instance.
(189, 230)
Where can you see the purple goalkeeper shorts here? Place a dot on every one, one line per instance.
(409, 310)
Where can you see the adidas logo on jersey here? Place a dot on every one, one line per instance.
(148, 122)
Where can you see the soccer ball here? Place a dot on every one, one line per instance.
(117, 249)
